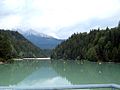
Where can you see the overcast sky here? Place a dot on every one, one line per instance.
(59, 18)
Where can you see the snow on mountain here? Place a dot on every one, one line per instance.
(30, 32)
(39, 39)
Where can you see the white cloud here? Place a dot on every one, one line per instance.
(55, 14)
(60, 13)
(11, 21)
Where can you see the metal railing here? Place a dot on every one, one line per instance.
(86, 86)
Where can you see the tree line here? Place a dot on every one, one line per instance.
(97, 45)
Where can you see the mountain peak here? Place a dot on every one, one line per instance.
(40, 39)
(30, 32)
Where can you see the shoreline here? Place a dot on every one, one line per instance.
(19, 59)
(1, 63)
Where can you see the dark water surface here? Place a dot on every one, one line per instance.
(35, 73)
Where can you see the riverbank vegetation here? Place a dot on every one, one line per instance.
(97, 45)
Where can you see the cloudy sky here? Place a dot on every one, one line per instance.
(59, 18)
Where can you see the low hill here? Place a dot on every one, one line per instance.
(97, 45)
(13, 44)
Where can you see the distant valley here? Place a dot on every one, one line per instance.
(41, 40)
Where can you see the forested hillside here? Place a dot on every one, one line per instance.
(13, 44)
(97, 45)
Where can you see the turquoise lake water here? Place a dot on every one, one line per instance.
(34, 73)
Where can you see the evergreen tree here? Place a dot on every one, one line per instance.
(114, 54)
(91, 54)
(5, 49)
(119, 25)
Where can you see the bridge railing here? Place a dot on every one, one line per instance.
(86, 86)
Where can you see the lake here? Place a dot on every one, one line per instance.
(37, 73)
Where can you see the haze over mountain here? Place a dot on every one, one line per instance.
(39, 39)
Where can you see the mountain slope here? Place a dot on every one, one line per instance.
(19, 46)
(41, 40)
(97, 45)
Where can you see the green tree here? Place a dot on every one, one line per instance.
(91, 54)
(118, 56)
(5, 49)
(119, 25)
(114, 54)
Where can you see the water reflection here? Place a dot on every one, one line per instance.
(54, 73)
(44, 77)
(11, 74)
(88, 72)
